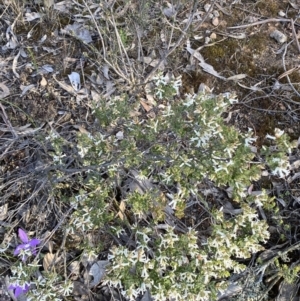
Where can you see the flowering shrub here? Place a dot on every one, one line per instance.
(186, 143)
(184, 146)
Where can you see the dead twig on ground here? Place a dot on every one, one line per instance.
(7, 122)
(261, 22)
(295, 35)
(288, 72)
(288, 78)
(122, 49)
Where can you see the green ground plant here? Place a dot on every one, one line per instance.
(187, 143)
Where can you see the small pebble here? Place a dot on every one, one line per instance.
(213, 36)
(207, 7)
(281, 13)
(278, 36)
(215, 21)
(207, 40)
(216, 13)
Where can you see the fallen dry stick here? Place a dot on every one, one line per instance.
(288, 72)
(261, 22)
(7, 122)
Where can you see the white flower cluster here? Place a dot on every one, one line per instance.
(48, 288)
(282, 167)
(82, 220)
(209, 122)
(52, 136)
(278, 161)
(44, 288)
(162, 81)
(82, 217)
(20, 274)
(169, 275)
(228, 238)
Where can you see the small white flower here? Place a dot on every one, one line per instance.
(52, 135)
(174, 202)
(83, 151)
(185, 162)
(281, 172)
(278, 133)
(270, 137)
(160, 80)
(201, 139)
(144, 273)
(249, 140)
(282, 167)
(177, 84)
(190, 100)
(58, 158)
(159, 92)
(168, 112)
(66, 288)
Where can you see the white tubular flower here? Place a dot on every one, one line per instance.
(190, 100)
(249, 141)
(159, 93)
(66, 288)
(52, 135)
(57, 158)
(185, 161)
(282, 167)
(201, 139)
(168, 112)
(131, 293)
(144, 273)
(280, 172)
(278, 133)
(174, 202)
(160, 80)
(146, 238)
(177, 84)
(83, 151)
(270, 137)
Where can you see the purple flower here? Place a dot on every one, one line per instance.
(28, 247)
(19, 289)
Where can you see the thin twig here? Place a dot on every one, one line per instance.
(286, 73)
(7, 122)
(295, 35)
(288, 78)
(122, 48)
(261, 22)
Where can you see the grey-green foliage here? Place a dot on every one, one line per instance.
(187, 142)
